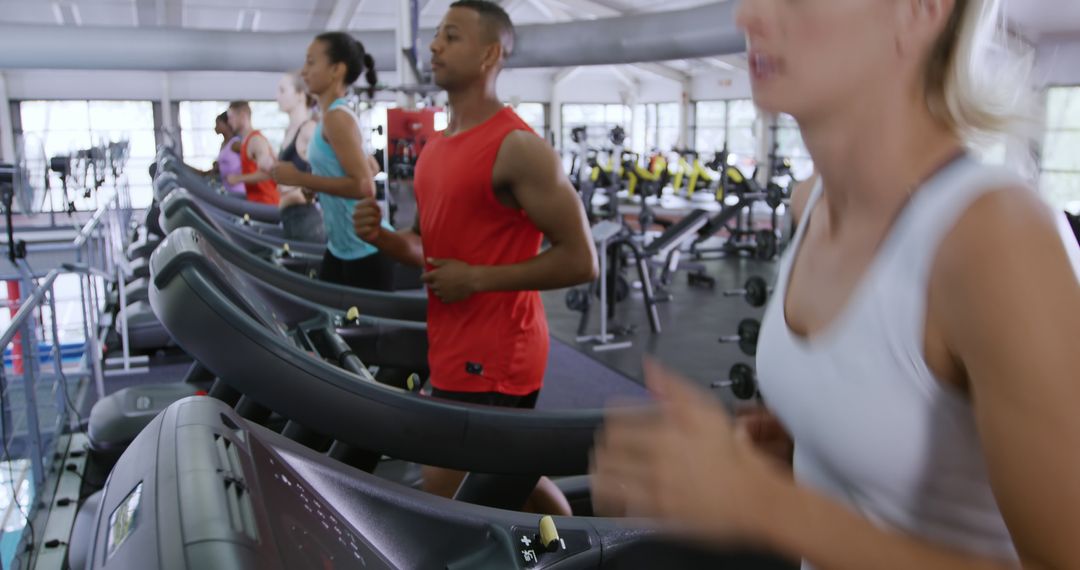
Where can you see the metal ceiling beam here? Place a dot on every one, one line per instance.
(615, 6)
(664, 71)
(704, 31)
(625, 78)
(718, 63)
(588, 8)
(248, 20)
(510, 5)
(67, 13)
(173, 11)
(159, 13)
(146, 13)
(320, 14)
(564, 74)
(340, 15)
(548, 11)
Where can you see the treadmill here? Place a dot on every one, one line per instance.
(203, 488)
(407, 306)
(238, 327)
(196, 183)
(387, 331)
(255, 233)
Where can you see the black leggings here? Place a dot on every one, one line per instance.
(375, 271)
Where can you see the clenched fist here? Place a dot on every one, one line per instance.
(367, 220)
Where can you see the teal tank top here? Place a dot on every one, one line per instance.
(341, 238)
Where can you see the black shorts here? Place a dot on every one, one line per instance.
(526, 402)
(375, 271)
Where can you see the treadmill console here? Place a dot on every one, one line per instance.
(123, 520)
(308, 532)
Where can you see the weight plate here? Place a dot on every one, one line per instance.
(748, 336)
(774, 196)
(765, 248)
(577, 300)
(757, 292)
(743, 381)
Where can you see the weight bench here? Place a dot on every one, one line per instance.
(667, 245)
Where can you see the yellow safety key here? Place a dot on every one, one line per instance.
(285, 248)
(247, 219)
(549, 535)
(413, 382)
(352, 314)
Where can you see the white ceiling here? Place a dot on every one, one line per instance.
(1032, 18)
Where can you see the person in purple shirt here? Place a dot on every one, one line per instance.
(228, 160)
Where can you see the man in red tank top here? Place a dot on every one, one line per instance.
(256, 157)
(488, 191)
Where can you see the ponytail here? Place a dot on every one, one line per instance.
(371, 76)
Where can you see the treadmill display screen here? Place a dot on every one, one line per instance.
(124, 519)
(310, 532)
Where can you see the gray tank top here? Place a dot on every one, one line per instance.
(873, 427)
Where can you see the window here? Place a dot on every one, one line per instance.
(790, 145)
(533, 113)
(729, 123)
(598, 119)
(655, 127)
(1060, 169)
(667, 126)
(64, 127)
(201, 144)
(742, 114)
(711, 130)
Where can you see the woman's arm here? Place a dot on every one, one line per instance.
(703, 479)
(343, 134)
(303, 139)
(1008, 311)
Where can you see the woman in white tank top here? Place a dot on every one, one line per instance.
(919, 347)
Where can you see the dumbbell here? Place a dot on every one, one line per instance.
(742, 380)
(755, 291)
(747, 336)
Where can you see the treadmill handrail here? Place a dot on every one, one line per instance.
(380, 304)
(261, 212)
(269, 369)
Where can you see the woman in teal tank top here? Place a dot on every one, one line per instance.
(341, 172)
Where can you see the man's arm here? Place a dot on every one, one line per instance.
(258, 150)
(404, 246)
(532, 171)
(343, 135)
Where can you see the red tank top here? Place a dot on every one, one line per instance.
(265, 192)
(491, 342)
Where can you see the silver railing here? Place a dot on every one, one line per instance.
(43, 381)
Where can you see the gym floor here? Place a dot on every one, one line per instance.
(692, 322)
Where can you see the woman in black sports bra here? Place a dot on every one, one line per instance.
(301, 219)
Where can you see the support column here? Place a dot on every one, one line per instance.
(766, 138)
(684, 115)
(7, 131)
(408, 54)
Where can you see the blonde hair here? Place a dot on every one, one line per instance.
(974, 84)
(301, 87)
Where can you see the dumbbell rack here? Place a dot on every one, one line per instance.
(602, 234)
